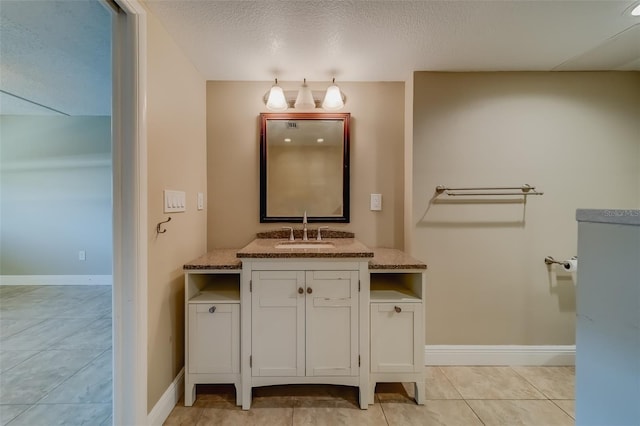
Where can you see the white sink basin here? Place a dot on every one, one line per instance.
(305, 245)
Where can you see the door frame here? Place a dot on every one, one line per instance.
(129, 162)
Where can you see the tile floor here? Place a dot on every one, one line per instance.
(465, 396)
(55, 355)
(55, 369)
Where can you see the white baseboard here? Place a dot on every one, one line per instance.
(56, 279)
(499, 355)
(167, 401)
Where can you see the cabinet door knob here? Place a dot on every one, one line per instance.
(309, 290)
(398, 309)
(300, 290)
(212, 309)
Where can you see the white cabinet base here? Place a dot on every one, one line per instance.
(191, 380)
(308, 324)
(416, 378)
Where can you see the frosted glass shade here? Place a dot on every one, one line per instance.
(333, 99)
(276, 100)
(305, 98)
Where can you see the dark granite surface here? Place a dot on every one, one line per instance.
(312, 233)
(383, 258)
(216, 259)
(387, 258)
(342, 247)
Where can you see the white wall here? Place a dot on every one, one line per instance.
(55, 195)
(575, 136)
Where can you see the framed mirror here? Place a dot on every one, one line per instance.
(304, 166)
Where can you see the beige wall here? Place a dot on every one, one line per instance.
(176, 160)
(233, 181)
(572, 135)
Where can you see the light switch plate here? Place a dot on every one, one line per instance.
(376, 202)
(200, 201)
(174, 201)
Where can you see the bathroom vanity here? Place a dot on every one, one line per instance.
(278, 312)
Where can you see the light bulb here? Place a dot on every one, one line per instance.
(305, 98)
(276, 100)
(333, 98)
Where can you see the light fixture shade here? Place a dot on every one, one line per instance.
(276, 100)
(305, 98)
(333, 98)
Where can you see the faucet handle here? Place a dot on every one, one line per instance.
(319, 237)
(290, 228)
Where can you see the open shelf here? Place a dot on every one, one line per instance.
(396, 287)
(214, 288)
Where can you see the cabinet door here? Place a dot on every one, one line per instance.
(332, 323)
(277, 323)
(214, 338)
(396, 333)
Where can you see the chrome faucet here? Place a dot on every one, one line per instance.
(319, 236)
(304, 227)
(290, 228)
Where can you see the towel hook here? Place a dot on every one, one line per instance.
(159, 230)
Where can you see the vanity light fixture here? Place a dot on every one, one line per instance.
(320, 140)
(333, 98)
(279, 100)
(287, 140)
(305, 97)
(276, 100)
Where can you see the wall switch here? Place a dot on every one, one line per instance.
(200, 201)
(376, 202)
(82, 255)
(174, 201)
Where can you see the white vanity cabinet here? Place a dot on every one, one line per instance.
(397, 329)
(212, 337)
(308, 323)
(304, 323)
(266, 315)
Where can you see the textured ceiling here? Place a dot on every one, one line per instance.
(57, 52)
(387, 40)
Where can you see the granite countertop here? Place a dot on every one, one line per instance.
(265, 248)
(216, 259)
(383, 258)
(387, 258)
(614, 216)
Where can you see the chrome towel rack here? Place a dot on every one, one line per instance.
(525, 190)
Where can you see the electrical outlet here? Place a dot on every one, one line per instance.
(376, 202)
(82, 255)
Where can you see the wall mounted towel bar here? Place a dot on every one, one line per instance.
(525, 190)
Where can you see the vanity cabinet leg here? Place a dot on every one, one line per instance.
(372, 393)
(420, 392)
(238, 387)
(189, 393)
(364, 397)
(246, 397)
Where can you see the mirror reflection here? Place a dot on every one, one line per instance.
(304, 167)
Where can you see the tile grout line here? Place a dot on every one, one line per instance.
(50, 348)
(450, 382)
(474, 412)
(381, 408)
(69, 378)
